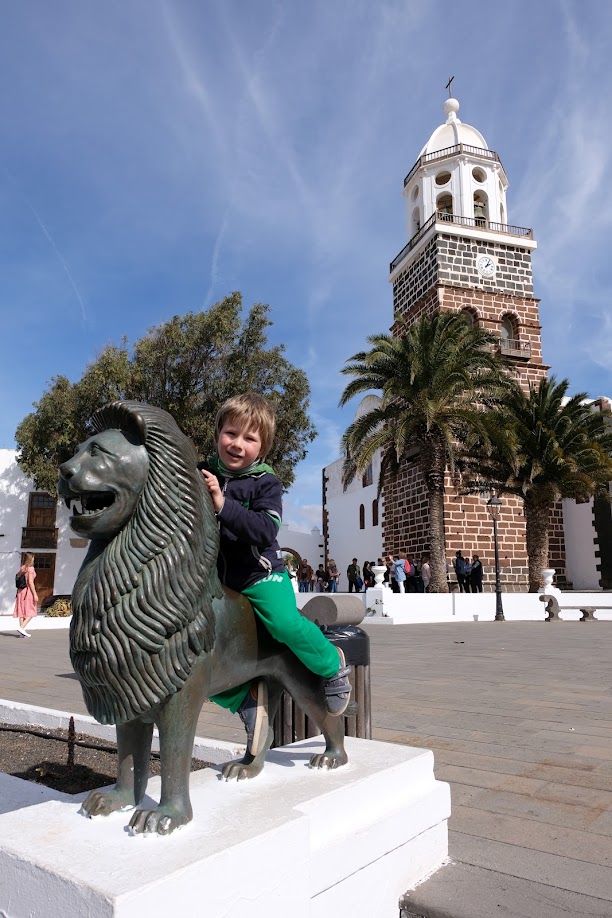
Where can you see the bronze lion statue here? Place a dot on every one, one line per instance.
(153, 631)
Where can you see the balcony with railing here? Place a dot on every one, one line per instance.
(512, 347)
(34, 537)
(457, 220)
(482, 223)
(447, 152)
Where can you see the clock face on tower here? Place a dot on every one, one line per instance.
(486, 265)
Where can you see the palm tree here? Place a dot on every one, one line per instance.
(544, 447)
(436, 378)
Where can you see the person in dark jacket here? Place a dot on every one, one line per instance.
(476, 574)
(247, 499)
(353, 575)
(462, 567)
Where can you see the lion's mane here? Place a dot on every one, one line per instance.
(142, 603)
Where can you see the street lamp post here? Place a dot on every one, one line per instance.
(494, 505)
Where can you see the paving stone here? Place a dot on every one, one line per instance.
(533, 835)
(464, 891)
(567, 873)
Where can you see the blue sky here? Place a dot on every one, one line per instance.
(156, 156)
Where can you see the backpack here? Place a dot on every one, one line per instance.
(408, 568)
(20, 580)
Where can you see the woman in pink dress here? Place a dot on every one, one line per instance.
(26, 602)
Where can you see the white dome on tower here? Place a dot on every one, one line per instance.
(453, 132)
(456, 179)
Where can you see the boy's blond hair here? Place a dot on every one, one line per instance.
(249, 410)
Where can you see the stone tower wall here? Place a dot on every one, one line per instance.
(443, 276)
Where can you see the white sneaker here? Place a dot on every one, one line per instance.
(23, 632)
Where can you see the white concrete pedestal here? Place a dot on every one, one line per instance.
(293, 842)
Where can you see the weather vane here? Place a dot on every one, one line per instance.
(448, 86)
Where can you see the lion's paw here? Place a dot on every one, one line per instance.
(328, 760)
(103, 803)
(160, 821)
(241, 771)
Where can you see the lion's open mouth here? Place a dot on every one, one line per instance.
(88, 504)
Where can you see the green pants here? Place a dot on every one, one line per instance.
(273, 600)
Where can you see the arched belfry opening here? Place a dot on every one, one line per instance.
(507, 330)
(481, 208)
(444, 206)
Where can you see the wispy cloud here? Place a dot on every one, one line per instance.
(45, 231)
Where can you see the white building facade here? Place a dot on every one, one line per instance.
(352, 519)
(34, 521)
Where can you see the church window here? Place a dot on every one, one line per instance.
(374, 513)
(416, 220)
(443, 178)
(444, 206)
(479, 175)
(415, 192)
(367, 478)
(469, 316)
(361, 516)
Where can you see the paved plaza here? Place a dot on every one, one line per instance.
(519, 716)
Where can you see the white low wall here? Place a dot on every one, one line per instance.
(38, 623)
(384, 606)
(16, 712)
(422, 608)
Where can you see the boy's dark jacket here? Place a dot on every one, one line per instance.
(249, 522)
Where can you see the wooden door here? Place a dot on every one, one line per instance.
(44, 565)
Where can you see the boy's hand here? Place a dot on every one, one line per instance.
(214, 490)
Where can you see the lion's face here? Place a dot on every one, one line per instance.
(102, 483)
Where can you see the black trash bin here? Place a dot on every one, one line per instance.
(292, 725)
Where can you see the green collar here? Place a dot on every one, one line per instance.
(255, 468)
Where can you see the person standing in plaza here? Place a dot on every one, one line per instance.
(425, 572)
(391, 572)
(26, 601)
(304, 576)
(322, 579)
(353, 573)
(461, 565)
(476, 574)
(411, 574)
(334, 575)
(399, 564)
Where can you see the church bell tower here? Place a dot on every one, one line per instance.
(463, 255)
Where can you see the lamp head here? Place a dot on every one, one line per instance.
(494, 505)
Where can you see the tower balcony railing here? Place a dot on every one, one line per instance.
(513, 347)
(447, 152)
(457, 220)
(484, 223)
(412, 242)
